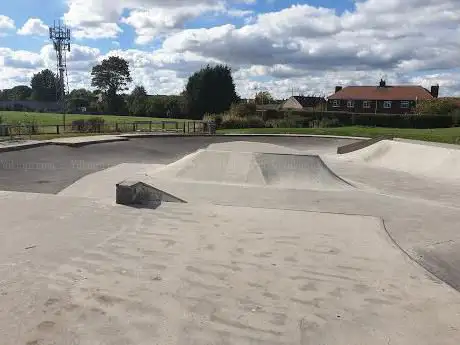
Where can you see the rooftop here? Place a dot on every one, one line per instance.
(391, 93)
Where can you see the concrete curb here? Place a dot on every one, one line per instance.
(293, 135)
(89, 142)
(20, 147)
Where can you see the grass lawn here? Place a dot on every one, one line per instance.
(10, 117)
(442, 135)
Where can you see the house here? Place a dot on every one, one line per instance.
(383, 98)
(304, 103)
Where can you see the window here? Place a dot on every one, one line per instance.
(366, 104)
(405, 104)
(350, 104)
(387, 104)
(336, 103)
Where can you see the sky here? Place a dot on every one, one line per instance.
(282, 46)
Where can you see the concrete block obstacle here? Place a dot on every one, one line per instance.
(136, 193)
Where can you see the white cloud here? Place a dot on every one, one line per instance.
(6, 23)
(35, 27)
(153, 22)
(239, 13)
(103, 30)
(307, 48)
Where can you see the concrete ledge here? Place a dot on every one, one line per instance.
(83, 141)
(18, 147)
(136, 193)
(360, 144)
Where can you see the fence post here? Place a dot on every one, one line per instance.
(194, 126)
(162, 125)
(57, 129)
(184, 126)
(150, 126)
(116, 127)
(177, 126)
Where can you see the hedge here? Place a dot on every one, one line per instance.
(313, 119)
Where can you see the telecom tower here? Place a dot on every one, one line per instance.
(60, 35)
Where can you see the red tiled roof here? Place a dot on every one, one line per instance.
(387, 93)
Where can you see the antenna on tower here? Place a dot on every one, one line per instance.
(60, 36)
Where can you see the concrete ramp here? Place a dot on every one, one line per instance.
(419, 159)
(252, 168)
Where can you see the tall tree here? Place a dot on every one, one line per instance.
(79, 98)
(263, 97)
(210, 90)
(111, 76)
(44, 86)
(137, 101)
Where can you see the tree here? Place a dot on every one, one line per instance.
(111, 76)
(80, 98)
(20, 93)
(210, 90)
(44, 86)
(137, 101)
(263, 97)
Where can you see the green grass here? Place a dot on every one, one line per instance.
(442, 135)
(10, 117)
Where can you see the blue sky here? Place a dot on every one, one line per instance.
(276, 45)
(55, 9)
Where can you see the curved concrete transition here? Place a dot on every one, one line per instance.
(295, 171)
(254, 244)
(415, 158)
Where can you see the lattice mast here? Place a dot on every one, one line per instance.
(60, 36)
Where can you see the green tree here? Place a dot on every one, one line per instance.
(263, 97)
(137, 101)
(111, 76)
(79, 98)
(44, 86)
(20, 93)
(210, 90)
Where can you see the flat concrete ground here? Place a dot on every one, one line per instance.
(50, 169)
(245, 261)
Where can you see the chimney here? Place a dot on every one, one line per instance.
(435, 91)
(383, 83)
(338, 88)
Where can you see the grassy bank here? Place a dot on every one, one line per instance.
(11, 117)
(442, 135)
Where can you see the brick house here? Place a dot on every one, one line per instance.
(379, 99)
(304, 103)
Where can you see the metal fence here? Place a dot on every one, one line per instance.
(185, 127)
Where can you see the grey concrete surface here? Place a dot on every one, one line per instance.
(50, 169)
(195, 274)
(239, 263)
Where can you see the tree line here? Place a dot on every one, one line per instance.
(209, 90)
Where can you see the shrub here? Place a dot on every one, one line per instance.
(217, 118)
(455, 117)
(438, 106)
(94, 124)
(230, 121)
(243, 109)
(78, 125)
(272, 114)
(255, 122)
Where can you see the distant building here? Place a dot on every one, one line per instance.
(304, 103)
(383, 98)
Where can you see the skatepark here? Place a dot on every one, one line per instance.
(230, 240)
